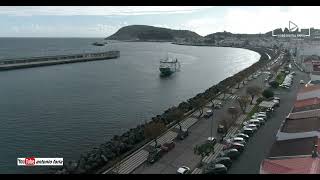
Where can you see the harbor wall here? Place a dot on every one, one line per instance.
(10, 64)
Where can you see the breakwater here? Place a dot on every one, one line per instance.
(19, 63)
(120, 146)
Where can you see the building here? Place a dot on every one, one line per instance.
(293, 156)
(309, 92)
(306, 104)
(291, 165)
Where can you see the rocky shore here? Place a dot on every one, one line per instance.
(120, 146)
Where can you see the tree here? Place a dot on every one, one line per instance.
(267, 93)
(274, 84)
(154, 129)
(225, 91)
(243, 102)
(198, 103)
(177, 116)
(204, 149)
(253, 91)
(233, 111)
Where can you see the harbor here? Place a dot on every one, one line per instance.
(19, 63)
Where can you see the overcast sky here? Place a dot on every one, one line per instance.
(102, 21)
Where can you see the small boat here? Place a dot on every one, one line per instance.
(98, 44)
(169, 66)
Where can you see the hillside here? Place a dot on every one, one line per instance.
(148, 33)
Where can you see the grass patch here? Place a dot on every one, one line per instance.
(280, 77)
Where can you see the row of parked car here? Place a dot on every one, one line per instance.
(235, 145)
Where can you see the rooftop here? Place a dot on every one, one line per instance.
(301, 125)
(294, 165)
(309, 88)
(304, 114)
(306, 104)
(293, 147)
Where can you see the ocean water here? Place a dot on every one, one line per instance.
(65, 110)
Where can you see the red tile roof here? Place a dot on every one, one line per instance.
(294, 165)
(309, 88)
(307, 102)
(304, 114)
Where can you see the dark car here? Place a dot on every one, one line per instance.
(168, 146)
(183, 133)
(221, 129)
(224, 160)
(214, 168)
(208, 113)
(237, 146)
(231, 153)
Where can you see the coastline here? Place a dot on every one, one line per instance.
(121, 146)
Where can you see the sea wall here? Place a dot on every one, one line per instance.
(10, 64)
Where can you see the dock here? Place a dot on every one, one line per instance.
(19, 63)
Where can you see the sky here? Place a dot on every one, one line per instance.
(103, 21)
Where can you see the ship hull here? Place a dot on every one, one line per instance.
(165, 71)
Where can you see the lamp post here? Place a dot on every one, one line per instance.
(212, 107)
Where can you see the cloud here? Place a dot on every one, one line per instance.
(96, 10)
(254, 19)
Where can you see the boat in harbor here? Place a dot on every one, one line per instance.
(169, 66)
(98, 44)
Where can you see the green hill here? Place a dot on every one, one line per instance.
(150, 33)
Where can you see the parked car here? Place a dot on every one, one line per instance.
(221, 129)
(223, 160)
(262, 120)
(247, 131)
(183, 170)
(242, 135)
(251, 126)
(218, 105)
(183, 134)
(212, 140)
(302, 82)
(231, 153)
(168, 146)
(237, 146)
(255, 122)
(208, 113)
(238, 140)
(277, 103)
(214, 168)
(276, 98)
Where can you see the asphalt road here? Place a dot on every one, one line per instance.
(182, 154)
(259, 145)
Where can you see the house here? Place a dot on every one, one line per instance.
(306, 104)
(291, 165)
(309, 92)
(300, 124)
(293, 156)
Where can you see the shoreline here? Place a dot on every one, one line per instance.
(122, 146)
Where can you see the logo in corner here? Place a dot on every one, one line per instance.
(31, 161)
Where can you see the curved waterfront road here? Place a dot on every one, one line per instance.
(259, 145)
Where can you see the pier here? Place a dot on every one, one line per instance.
(19, 63)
